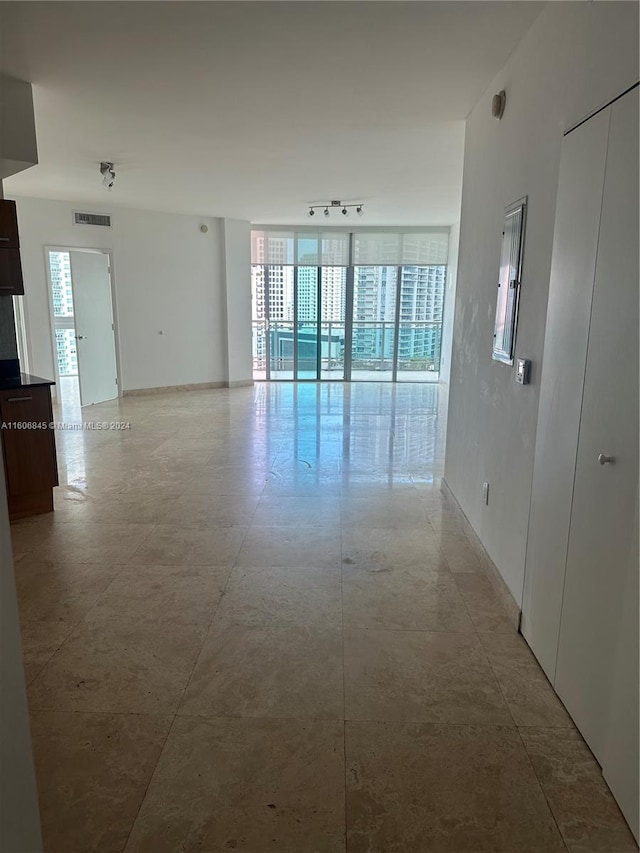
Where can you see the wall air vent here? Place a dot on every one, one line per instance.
(80, 218)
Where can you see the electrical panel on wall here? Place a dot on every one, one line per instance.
(504, 335)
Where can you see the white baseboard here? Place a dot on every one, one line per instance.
(167, 389)
(239, 383)
(502, 590)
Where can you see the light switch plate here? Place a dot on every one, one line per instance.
(523, 371)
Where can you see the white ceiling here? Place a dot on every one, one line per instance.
(255, 110)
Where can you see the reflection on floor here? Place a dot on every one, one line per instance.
(254, 624)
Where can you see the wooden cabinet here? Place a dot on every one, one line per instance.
(11, 283)
(29, 449)
(8, 225)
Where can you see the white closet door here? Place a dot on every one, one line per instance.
(605, 495)
(580, 183)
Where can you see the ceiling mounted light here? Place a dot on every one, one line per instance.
(336, 205)
(108, 174)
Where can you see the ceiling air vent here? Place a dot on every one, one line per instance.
(102, 219)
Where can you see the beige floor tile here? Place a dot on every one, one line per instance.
(443, 789)
(586, 813)
(89, 542)
(120, 666)
(376, 550)
(297, 512)
(173, 545)
(291, 546)
(416, 676)
(484, 606)
(268, 672)
(181, 593)
(27, 534)
(92, 772)
(40, 641)
(192, 510)
(252, 786)
(60, 591)
(384, 512)
(214, 483)
(303, 485)
(349, 511)
(137, 506)
(282, 597)
(402, 600)
(458, 551)
(531, 699)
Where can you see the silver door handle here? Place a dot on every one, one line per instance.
(81, 337)
(605, 460)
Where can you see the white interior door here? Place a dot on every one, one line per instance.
(91, 282)
(573, 265)
(595, 614)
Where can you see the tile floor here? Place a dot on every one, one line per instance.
(254, 624)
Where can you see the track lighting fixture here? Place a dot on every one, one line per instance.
(108, 174)
(338, 205)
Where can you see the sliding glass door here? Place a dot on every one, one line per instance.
(319, 315)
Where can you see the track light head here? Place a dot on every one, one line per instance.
(326, 211)
(108, 174)
(345, 212)
(359, 210)
(312, 212)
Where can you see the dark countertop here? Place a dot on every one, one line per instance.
(24, 380)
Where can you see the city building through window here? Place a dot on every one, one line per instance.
(348, 306)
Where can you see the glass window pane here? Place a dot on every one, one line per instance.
(66, 352)
(419, 351)
(374, 293)
(333, 293)
(281, 350)
(259, 350)
(61, 290)
(258, 307)
(422, 293)
(372, 352)
(420, 331)
(307, 294)
(307, 351)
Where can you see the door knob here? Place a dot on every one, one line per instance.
(605, 460)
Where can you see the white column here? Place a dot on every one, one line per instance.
(236, 239)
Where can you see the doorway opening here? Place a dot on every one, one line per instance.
(83, 325)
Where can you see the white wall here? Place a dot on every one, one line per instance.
(576, 57)
(237, 274)
(168, 277)
(449, 305)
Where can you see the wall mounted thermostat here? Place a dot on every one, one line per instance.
(523, 371)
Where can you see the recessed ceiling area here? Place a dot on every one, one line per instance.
(257, 110)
